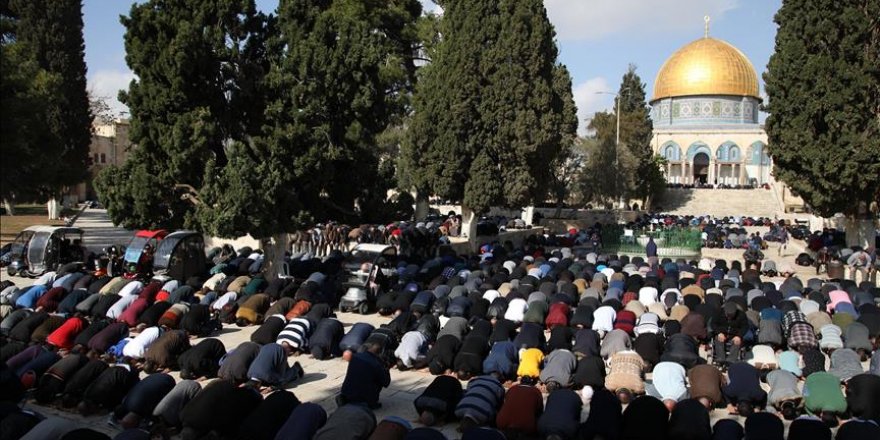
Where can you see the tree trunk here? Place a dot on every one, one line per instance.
(422, 208)
(860, 231)
(558, 212)
(469, 227)
(9, 206)
(273, 250)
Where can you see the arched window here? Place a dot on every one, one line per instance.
(671, 151)
(728, 152)
(759, 154)
(734, 153)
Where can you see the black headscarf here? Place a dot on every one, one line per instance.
(861, 397)
(605, 416)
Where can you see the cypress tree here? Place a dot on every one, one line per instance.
(197, 93)
(489, 116)
(636, 131)
(26, 170)
(823, 84)
(53, 30)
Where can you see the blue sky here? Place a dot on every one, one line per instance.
(598, 39)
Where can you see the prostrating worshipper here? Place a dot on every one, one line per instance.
(785, 395)
(305, 420)
(743, 390)
(437, 402)
(668, 384)
(559, 366)
(348, 422)
(266, 420)
(502, 360)
(269, 330)
(480, 403)
(235, 364)
(823, 398)
(295, 336)
(604, 419)
(689, 421)
(562, 414)
(764, 426)
(469, 359)
(625, 376)
(203, 415)
(270, 368)
(167, 411)
(140, 402)
(441, 356)
(324, 342)
(202, 360)
(518, 416)
(645, 418)
(51, 383)
(862, 393)
(108, 389)
(164, 353)
(352, 341)
(365, 377)
(75, 387)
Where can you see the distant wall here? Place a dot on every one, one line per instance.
(518, 237)
(237, 243)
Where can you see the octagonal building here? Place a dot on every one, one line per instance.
(705, 109)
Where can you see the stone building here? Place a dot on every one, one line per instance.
(110, 147)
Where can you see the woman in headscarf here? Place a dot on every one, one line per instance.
(862, 393)
(727, 429)
(689, 421)
(646, 418)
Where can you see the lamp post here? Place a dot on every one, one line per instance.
(617, 143)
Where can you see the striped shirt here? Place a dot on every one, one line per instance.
(481, 400)
(296, 333)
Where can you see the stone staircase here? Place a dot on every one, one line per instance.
(720, 202)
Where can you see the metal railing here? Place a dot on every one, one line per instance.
(671, 242)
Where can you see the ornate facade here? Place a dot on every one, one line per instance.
(705, 111)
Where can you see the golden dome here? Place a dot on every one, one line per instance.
(707, 66)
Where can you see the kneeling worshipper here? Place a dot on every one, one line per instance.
(219, 408)
(142, 399)
(438, 401)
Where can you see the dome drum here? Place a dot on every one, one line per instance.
(705, 110)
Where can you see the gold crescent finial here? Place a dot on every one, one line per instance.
(707, 19)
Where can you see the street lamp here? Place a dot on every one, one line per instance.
(617, 143)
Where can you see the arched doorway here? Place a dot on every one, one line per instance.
(701, 168)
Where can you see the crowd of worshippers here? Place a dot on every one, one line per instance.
(550, 345)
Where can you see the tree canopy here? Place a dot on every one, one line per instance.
(46, 106)
(25, 89)
(823, 85)
(253, 124)
(632, 171)
(491, 111)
